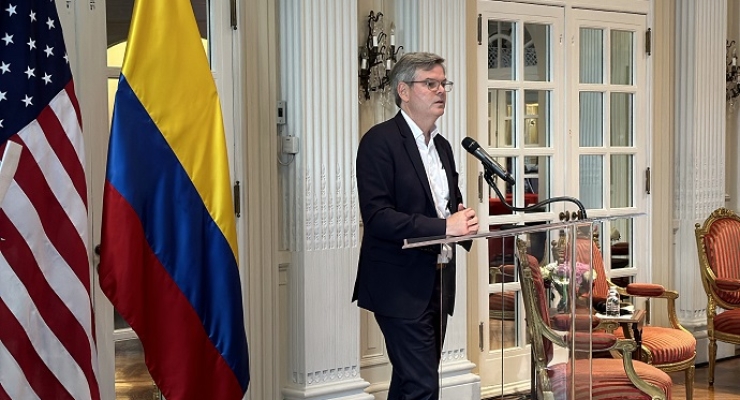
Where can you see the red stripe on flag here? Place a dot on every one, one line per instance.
(52, 309)
(41, 379)
(57, 226)
(70, 89)
(64, 150)
(176, 345)
(3, 394)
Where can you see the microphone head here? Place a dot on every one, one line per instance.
(469, 144)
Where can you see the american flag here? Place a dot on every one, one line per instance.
(47, 341)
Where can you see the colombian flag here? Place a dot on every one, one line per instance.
(168, 252)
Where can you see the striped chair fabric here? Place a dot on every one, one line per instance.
(608, 380)
(723, 254)
(667, 345)
(728, 322)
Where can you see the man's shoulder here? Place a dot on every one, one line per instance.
(385, 130)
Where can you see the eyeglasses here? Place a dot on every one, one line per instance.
(433, 84)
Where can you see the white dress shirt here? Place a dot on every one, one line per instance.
(435, 174)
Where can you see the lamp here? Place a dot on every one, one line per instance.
(377, 56)
(732, 75)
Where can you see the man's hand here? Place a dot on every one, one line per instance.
(463, 222)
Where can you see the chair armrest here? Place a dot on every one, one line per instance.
(645, 289)
(727, 284)
(582, 322)
(627, 347)
(596, 341)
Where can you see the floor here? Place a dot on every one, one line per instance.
(726, 383)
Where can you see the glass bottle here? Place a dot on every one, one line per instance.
(612, 302)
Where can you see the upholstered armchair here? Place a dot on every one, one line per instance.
(611, 378)
(669, 348)
(718, 245)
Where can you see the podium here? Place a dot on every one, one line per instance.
(573, 353)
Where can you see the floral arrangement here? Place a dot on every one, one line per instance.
(558, 276)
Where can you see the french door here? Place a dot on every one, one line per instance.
(563, 109)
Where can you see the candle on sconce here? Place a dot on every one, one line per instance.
(363, 58)
(388, 64)
(393, 34)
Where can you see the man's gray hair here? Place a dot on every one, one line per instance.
(405, 69)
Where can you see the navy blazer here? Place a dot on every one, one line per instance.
(396, 203)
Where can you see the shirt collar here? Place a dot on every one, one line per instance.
(416, 131)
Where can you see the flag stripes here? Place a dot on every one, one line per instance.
(44, 257)
(47, 339)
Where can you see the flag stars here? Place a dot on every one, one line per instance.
(2, 96)
(4, 68)
(47, 78)
(50, 23)
(28, 100)
(31, 44)
(8, 39)
(33, 16)
(49, 51)
(11, 10)
(29, 72)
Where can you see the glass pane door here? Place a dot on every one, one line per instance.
(520, 62)
(610, 129)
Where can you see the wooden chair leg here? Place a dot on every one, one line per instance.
(690, 383)
(712, 359)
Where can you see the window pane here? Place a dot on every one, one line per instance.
(591, 181)
(621, 180)
(501, 56)
(621, 242)
(501, 122)
(591, 119)
(536, 52)
(622, 63)
(495, 206)
(537, 118)
(592, 56)
(621, 119)
(537, 180)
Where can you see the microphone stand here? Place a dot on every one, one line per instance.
(489, 178)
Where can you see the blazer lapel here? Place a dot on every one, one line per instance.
(412, 150)
(445, 158)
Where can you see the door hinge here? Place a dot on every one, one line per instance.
(237, 199)
(647, 180)
(480, 337)
(480, 187)
(648, 41)
(232, 10)
(480, 29)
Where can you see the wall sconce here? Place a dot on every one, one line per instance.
(377, 56)
(732, 75)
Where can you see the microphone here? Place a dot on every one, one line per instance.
(488, 163)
